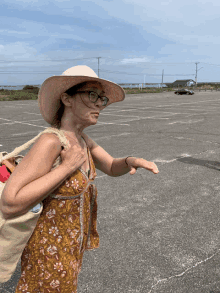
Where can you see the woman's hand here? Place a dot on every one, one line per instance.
(73, 157)
(134, 163)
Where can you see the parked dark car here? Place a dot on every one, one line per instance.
(184, 92)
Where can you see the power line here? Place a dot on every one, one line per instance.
(140, 74)
(104, 71)
(108, 58)
(210, 64)
(156, 63)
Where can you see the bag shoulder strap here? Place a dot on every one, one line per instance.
(16, 151)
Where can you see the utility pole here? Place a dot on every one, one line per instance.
(98, 64)
(162, 78)
(196, 72)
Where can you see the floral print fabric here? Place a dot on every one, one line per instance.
(52, 258)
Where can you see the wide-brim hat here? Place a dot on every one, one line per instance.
(50, 92)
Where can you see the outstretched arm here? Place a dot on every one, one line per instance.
(116, 166)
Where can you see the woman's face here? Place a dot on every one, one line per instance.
(83, 108)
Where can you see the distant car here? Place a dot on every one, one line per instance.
(184, 92)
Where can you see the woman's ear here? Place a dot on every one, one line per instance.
(65, 98)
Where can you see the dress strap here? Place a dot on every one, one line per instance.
(89, 157)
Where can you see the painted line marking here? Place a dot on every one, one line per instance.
(32, 113)
(29, 132)
(116, 114)
(121, 134)
(122, 110)
(109, 123)
(34, 120)
(16, 106)
(101, 176)
(167, 105)
(187, 122)
(10, 123)
(19, 122)
(23, 104)
(138, 119)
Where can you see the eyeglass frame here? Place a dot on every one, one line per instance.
(98, 97)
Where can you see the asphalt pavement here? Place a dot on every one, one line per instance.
(158, 233)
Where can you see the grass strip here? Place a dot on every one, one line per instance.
(15, 95)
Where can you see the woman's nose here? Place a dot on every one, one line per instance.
(98, 103)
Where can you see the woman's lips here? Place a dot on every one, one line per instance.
(95, 113)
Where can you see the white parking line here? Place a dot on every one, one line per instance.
(109, 123)
(121, 110)
(112, 114)
(101, 176)
(121, 134)
(35, 120)
(9, 123)
(32, 113)
(20, 122)
(166, 105)
(24, 133)
(189, 121)
(15, 106)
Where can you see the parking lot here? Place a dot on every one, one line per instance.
(158, 233)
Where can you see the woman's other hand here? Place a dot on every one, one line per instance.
(134, 163)
(73, 157)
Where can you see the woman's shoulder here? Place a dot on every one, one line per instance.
(90, 143)
(50, 138)
(48, 141)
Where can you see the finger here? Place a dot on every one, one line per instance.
(155, 171)
(153, 168)
(150, 166)
(132, 171)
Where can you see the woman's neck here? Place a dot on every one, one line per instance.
(72, 132)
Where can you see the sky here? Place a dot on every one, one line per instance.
(137, 41)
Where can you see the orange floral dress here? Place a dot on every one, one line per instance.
(67, 226)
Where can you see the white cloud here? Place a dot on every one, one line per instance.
(17, 51)
(5, 31)
(135, 60)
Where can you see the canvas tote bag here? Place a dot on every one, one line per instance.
(15, 232)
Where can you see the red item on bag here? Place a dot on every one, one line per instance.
(4, 174)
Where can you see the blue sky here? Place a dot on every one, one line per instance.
(136, 40)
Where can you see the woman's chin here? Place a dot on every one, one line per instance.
(93, 121)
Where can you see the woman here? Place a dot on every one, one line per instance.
(66, 227)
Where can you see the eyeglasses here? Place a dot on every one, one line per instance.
(93, 97)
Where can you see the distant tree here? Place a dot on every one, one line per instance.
(31, 89)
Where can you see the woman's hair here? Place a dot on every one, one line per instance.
(71, 92)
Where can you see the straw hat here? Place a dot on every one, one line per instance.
(53, 87)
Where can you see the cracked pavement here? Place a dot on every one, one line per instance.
(158, 233)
